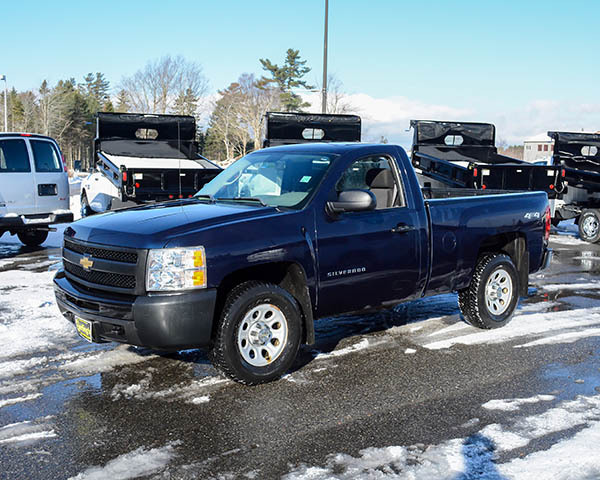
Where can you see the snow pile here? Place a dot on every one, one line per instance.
(138, 463)
(476, 455)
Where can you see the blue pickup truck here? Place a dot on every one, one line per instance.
(289, 234)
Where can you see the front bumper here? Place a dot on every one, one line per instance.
(27, 222)
(547, 259)
(162, 322)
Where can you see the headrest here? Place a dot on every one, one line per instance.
(380, 178)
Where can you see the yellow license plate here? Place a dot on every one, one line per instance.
(84, 329)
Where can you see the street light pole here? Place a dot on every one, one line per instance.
(3, 77)
(324, 93)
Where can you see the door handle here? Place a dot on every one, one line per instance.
(402, 228)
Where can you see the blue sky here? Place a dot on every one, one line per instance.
(521, 64)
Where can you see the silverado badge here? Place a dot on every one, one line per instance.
(86, 263)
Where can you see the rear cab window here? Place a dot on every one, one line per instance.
(45, 156)
(13, 156)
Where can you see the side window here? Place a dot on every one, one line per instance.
(13, 156)
(45, 157)
(376, 174)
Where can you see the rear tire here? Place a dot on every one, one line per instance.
(86, 210)
(589, 225)
(33, 238)
(491, 298)
(258, 336)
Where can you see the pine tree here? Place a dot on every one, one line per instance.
(287, 77)
(122, 102)
(186, 103)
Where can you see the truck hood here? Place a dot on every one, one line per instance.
(154, 226)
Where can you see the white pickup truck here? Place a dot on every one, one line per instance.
(141, 158)
(34, 187)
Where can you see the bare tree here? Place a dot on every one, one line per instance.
(161, 83)
(337, 99)
(257, 98)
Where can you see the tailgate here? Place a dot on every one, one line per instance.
(160, 184)
(543, 178)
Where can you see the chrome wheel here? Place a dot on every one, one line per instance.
(262, 335)
(590, 226)
(498, 292)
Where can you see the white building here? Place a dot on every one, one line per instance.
(538, 148)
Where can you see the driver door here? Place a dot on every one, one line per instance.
(369, 258)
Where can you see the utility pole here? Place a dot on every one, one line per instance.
(3, 77)
(324, 93)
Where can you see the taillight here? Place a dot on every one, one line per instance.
(124, 176)
(475, 172)
(137, 185)
(563, 173)
(548, 220)
(483, 187)
(62, 156)
(551, 187)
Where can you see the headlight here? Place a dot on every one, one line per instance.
(176, 269)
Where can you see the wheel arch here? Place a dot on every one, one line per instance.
(514, 245)
(288, 275)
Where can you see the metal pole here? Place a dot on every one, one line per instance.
(324, 93)
(3, 77)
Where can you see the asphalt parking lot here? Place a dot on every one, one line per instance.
(412, 392)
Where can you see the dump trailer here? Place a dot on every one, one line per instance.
(464, 155)
(578, 155)
(143, 158)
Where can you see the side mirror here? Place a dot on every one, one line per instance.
(352, 201)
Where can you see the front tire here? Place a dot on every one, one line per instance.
(589, 225)
(33, 238)
(86, 210)
(491, 298)
(259, 333)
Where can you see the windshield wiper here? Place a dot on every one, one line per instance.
(243, 199)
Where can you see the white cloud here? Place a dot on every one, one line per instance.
(390, 116)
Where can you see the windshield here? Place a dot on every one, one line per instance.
(277, 178)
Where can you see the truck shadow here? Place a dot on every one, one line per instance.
(331, 331)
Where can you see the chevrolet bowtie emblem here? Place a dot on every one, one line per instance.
(86, 263)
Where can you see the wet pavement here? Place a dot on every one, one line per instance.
(415, 376)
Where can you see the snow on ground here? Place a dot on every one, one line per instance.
(510, 405)
(30, 321)
(476, 456)
(546, 327)
(135, 464)
(27, 432)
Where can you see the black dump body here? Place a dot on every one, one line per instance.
(579, 155)
(151, 136)
(464, 155)
(146, 135)
(284, 128)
